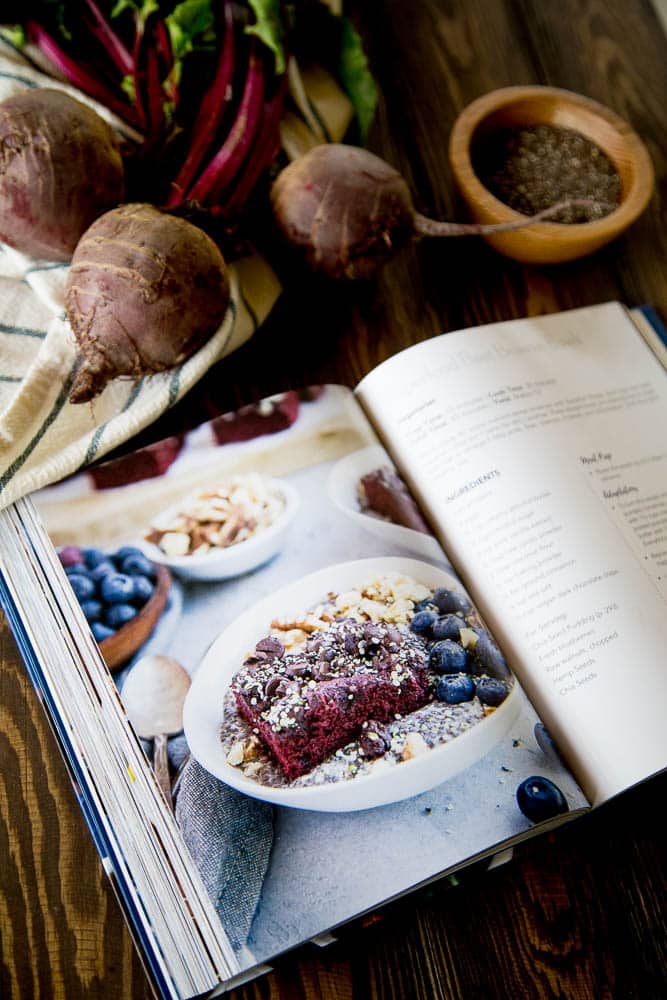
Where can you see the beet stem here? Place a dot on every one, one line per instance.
(154, 93)
(432, 227)
(226, 162)
(210, 114)
(110, 40)
(79, 76)
(263, 152)
(165, 53)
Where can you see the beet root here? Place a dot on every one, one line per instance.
(346, 209)
(349, 212)
(144, 291)
(60, 168)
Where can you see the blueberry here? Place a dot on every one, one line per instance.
(143, 589)
(101, 631)
(93, 557)
(136, 564)
(92, 610)
(539, 799)
(448, 627)
(77, 568)
(455, 688)
(116, 587)
(102, 569)
(487, 658)
(447, 657)
(119, 614)
(70, 555)
(422, 623)
(425, 605)
(127, 550)
(451, 601)
(491, 691)
(82, 586)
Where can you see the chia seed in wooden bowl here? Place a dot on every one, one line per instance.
(533, 167)
(491, 151)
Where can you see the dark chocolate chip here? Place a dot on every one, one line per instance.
(270, 644)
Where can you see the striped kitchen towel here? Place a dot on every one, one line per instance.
(43, 437)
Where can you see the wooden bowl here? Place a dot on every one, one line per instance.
(514, 107)
(124, 643)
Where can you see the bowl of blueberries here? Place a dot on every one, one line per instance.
(122, 594)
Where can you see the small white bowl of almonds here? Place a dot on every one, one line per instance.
(230, 528)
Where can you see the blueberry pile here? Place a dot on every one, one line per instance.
(462, 672)
(110, 587)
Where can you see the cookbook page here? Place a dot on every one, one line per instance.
(344, 698)
(538, 449)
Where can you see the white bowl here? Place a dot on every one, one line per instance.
(202, 713)
(221, 564)
(342, 489)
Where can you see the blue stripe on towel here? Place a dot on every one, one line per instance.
(97, 436)
(19, 79)
(51, 266)
(34, 441)
(22, 331)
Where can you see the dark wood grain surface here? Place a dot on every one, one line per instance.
(577, 914)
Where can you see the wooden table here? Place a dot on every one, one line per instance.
(579, 913)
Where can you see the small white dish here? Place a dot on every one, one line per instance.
(202, 713)
(342, 489)
(222, 564)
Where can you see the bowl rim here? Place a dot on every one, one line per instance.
(471, 117)
(338, 489)
(154, 552)
(326, 797)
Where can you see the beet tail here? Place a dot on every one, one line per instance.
(432, 227)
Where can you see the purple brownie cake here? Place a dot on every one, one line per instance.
(306, 705)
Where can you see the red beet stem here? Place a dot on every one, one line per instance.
(78, 76)
(432, 227)
(263, 152)
(226, 162)
(166, 61)
(210, 114)
(154, 96)
(109, 39)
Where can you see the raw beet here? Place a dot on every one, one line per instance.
(347, 209)
(349, 212)
(60, 168)
(144, 291)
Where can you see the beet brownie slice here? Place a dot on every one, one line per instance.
(306, 705)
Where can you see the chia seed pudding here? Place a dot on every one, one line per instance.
(378, 676)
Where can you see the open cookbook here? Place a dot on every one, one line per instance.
(316, 653)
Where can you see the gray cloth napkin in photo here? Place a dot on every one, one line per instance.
(229, 836)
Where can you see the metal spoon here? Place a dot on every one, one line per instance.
(153, 694)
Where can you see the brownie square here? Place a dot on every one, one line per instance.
(304, 706)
